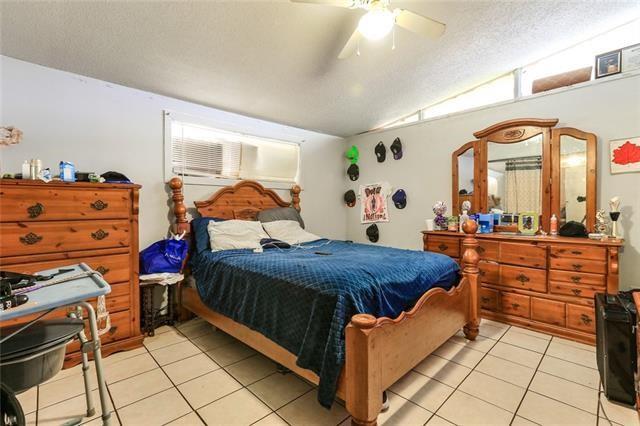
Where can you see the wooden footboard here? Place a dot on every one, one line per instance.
(379, 351)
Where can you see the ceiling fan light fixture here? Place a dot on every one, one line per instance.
(376, 24)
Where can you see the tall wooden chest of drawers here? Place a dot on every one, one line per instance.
(542, 283)
(47, 225)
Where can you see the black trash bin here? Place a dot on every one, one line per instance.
(36, 354)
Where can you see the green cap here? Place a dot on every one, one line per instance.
(352, 154)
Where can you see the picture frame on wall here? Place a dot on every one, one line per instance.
(528, 223)
(608, 63)
(631, 58)
(625, 155)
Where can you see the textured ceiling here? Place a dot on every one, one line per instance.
(277, 60)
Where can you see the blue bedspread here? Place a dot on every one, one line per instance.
(303, 301)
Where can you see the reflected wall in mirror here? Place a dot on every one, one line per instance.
(514, 175)
(465, 177)
(573, 179)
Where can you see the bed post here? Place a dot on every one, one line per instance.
(179, 209)
(295, 196)
(363, 371)
(470, 259)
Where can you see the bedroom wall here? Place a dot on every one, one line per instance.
(609, 108)
(101, 126)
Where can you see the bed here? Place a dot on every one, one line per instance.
(352, 355)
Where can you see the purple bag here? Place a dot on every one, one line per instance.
(163, 256)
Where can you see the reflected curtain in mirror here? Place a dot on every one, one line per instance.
(522, 184)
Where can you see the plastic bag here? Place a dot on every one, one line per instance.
(164, 256)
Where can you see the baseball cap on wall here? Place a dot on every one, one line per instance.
(399, 199)
(354, 172)
(396, 148)
(381, 152)
(353, 154)
(372, 233)
(350, 198)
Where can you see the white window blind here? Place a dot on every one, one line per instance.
(198, 150)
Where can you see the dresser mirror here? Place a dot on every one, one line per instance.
(528, 165)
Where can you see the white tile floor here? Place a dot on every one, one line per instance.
(194, 375)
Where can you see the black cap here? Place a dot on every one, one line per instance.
(573, 229)
(381, 152)
(400, 199)
(396, 148)
(350, 198)
(372, 233)
(354, 172)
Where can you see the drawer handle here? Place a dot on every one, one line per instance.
(577, 266)
(102, 270)
(31, 239)
(523, 278)
(576, 252)
(480, 249)
(576, 279)
(576, 291)
(35, 210)
(99, 235)
(485, 299)
(113, 329)
(515, 306)
(586, 319)
(483, 273)
(99, 205)
(443, 246)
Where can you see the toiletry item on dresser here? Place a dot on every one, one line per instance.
(554, 225)
(67, 172)
(486, 223)
(26, 170)
(34, 168)
(463, 218)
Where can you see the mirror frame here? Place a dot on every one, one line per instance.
(455, 196)
(592, 154)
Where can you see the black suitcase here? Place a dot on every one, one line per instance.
(616, 345)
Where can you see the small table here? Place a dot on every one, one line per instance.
(71, 293)
(152, 317)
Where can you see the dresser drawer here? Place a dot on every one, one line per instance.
(558, 287)
(445, 245)
(489, 272)
(24, 238)
(579, 252)
(581, 318)
(120, 329)
(489, 299)
(515, 304)
(114, 268)
(488, 250)
(549, 311)
(577, 277)
(523, 278)
(523, 254)
(19, 205)
(579, 265)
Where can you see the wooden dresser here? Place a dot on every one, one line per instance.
(542, 283)
(47, 225)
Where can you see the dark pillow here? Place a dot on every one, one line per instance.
(280, 213)
(199, 227)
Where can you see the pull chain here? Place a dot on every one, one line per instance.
(393, 46)
(358, 49)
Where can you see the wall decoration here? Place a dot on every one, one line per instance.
(354, 172)
(608, 63)
(625, 155)
(373, 234)
(350, 198)
(396, 148)
(381, 152)
(374, 203)
(528, 223)
(10, 135)
(631, 58)
(353, 154)
(399, 199)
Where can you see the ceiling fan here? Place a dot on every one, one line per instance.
(380, 20)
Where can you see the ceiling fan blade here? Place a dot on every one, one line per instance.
(351, 46)
(337, 3)
(419, 24)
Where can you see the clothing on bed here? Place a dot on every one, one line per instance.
(303, 300)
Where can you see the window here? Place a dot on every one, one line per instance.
(498, 90)
(198, 150)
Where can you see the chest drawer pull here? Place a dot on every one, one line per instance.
(485, 299)
(480, 249)
(515, 305)
(523, 278)
(99, 235)
(443, 246)
(103, 270)
(576, 252)
(586, 319)
(31, 239)
(577, 266)
(576, 279)
(99, 205)
(576, 291)
(35, 210)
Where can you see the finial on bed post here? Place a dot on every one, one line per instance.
(295, 196)
(470, 271)
(179, 209)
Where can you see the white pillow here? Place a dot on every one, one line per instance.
(288, 231)
(235, 234)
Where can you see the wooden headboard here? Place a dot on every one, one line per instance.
(244, 201)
